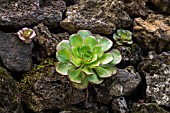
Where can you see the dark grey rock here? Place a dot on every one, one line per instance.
(98, 16)
(123, 83)
(156, 69)
(14, 53)
(153, 33)
(10, 101)
(20, 13)
(119, 105)
(137, 8)
(131, 55)
(147, 108)
(44, 89)
(101, 109)
(160, 6)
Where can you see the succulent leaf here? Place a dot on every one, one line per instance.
(106, 58)
(90, 40)
(64, 44)
(84, 33)
(94, 79)
(76, 61)
(104, 71)
(76, 40)
(98, 50)
(105, 43)
(63, 55)
(87, 70)
(63, 68)
(75, 75)
(116, 57)
(75, 51)
(83, 84)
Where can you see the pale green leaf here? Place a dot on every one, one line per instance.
(83, 84)
(76, 61)
(75, 51)
(63, 68)
(106, 58)
(90, 40)
(75, 40)
(84, 33)
(117, 57)
(94, 79)
(105, 43)
(75, 75)
(104, 71)
(63, 55)
(64, 44)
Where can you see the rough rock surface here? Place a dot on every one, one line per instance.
(147, 108)
(43, 89)
(156, 69)
(71, 109)
(119, 105)
(98, 16)
(121, 84)
(45, 43)
(160, 6)
(15, 54)
(10, 101)
(130, 54)
(153, 33)
(137, 8)
(19, 13)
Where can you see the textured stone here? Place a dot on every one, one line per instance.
(153, 33)
(14, 53)
(156, 69)
(119, 105)
(130, 54)
(98, 16)
(147, 108)
(10, 101)
(137, 8)
(20, 13)
(46, 42)
(44, 89)
(102, 109)
(123, 83)
(160, 6)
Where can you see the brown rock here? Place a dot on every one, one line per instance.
(153, 33)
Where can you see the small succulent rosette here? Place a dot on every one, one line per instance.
(123, 36)
(84, 58)
(26, 34)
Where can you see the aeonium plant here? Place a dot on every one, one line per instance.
(123, 36)
(84, 58)
(26, 34)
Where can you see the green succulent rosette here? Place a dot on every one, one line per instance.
(123, 36)
(84, 58)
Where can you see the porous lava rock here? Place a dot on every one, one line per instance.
(156, 69)
(98, 16)
(10, 101)
(153, 33)
(14, 53)
(43, 89)
(20, 13)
